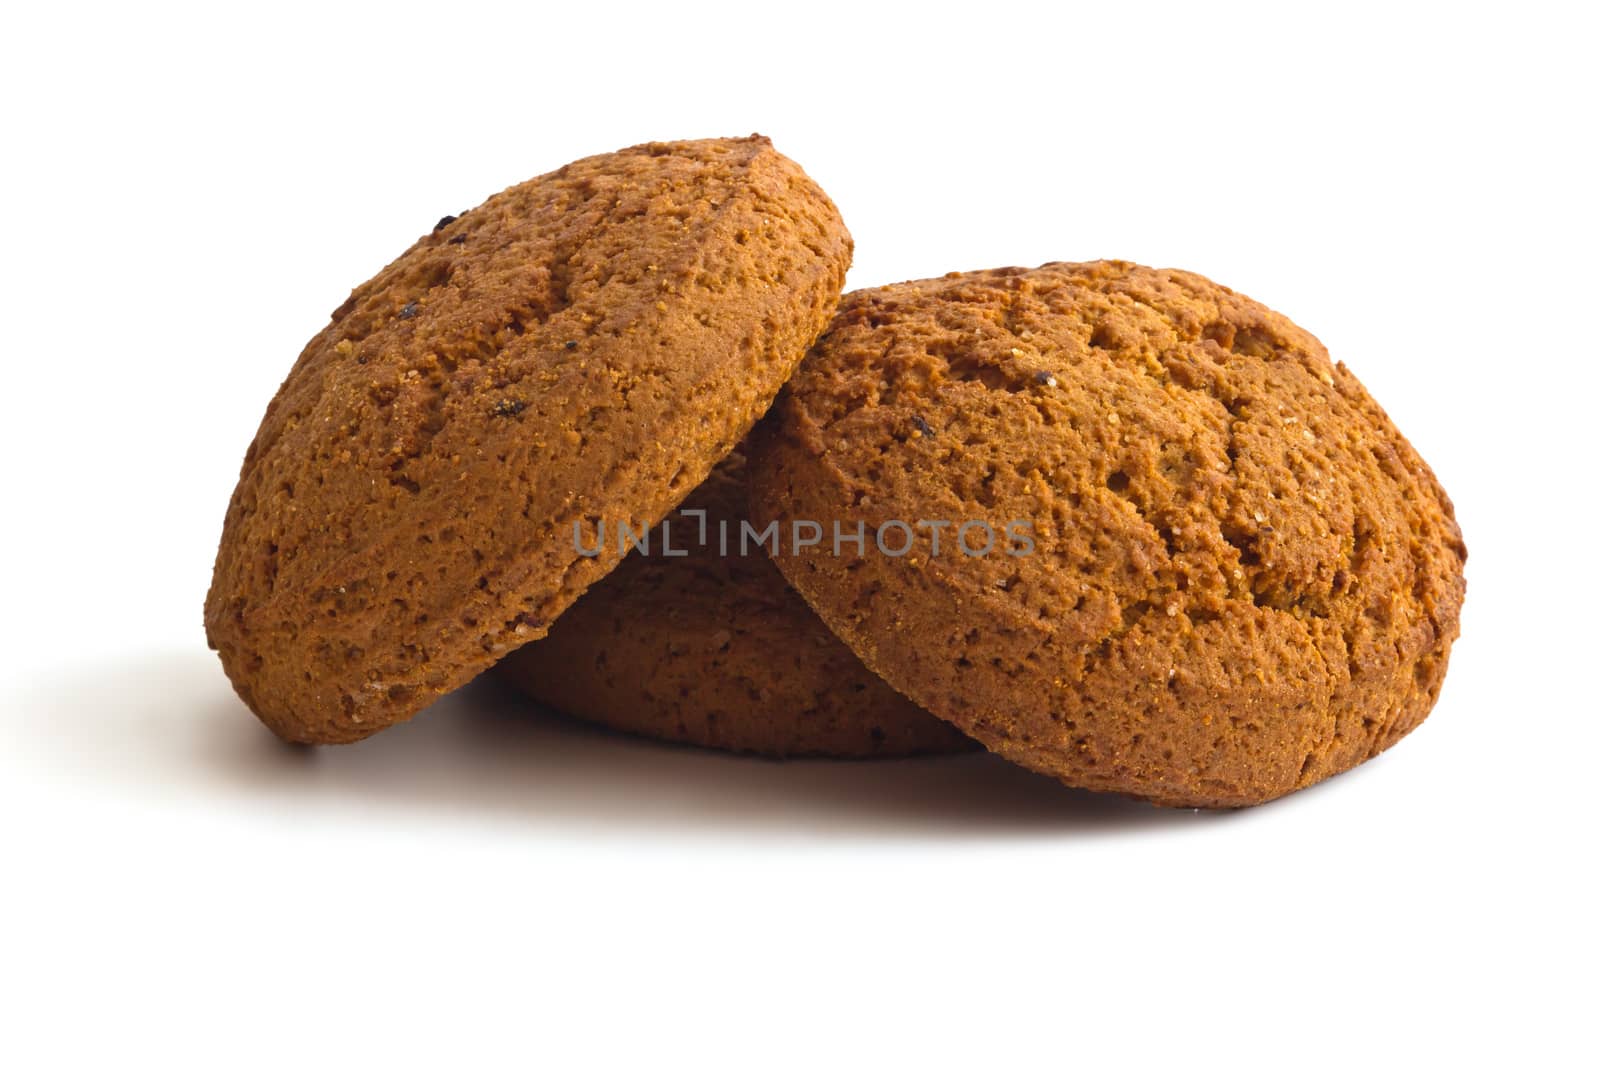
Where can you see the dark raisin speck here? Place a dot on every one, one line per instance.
(1044, 377)
(921, 425)
(507, 408)
(458, 239)
(442, 223)
(409, 311)
(572, 346)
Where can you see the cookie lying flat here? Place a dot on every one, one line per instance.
(581, 347)
(713, 648)
(1243, 578)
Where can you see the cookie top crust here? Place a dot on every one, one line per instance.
(709, 646)
(583, 346)
(1244, 578)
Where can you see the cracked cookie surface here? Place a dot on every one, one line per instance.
(584, 346)
(1244, 579)
(713, 648)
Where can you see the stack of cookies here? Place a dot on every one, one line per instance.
(616, 431)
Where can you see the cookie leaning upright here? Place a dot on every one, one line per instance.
(581, 347)
(1243, 578)
(709, 646)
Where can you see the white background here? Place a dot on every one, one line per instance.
(188, 194)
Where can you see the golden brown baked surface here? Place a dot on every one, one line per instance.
(584, 345)
(1245, 579)
(713, 648)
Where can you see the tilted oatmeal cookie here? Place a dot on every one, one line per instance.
(583, 346)
(1243, 578)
